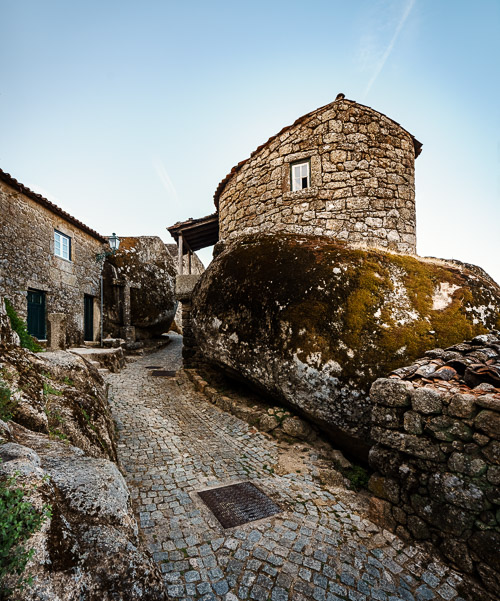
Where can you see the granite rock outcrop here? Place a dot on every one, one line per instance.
(139, 287)
(314, 322)
(57, 441)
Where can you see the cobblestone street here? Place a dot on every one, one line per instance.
(172, 443)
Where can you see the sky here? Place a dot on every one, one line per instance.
(129, 114)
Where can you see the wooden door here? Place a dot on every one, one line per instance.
(88, 318)
(36, 314)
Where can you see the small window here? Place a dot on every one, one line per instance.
(300, 175)
(62, 246)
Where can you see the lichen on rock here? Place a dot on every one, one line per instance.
(145, 264)
(314, 322)
(59, 444)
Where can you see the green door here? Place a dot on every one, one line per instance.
(88, 318)
(36, 314)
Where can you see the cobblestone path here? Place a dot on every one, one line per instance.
(172, 443)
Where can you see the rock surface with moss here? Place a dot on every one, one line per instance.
(145, 264)
(57, 442)
(314, 322)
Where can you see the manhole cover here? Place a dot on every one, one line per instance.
(163, 373)
(153, 366)
(238, 504)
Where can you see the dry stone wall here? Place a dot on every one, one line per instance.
(27, 260)
(436, 425)
(362, 181)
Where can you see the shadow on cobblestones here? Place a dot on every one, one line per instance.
(173, 443)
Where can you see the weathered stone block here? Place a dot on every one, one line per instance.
(492, 452)
(389, 417)
(56, 331)
(466, 464)
(184, 285)
(462, 405)
(457, 491)
(489, 423)
(391, 392)
(418, 528)
(413, 422)
(384, 488)
(408, 443)
(426, 401)
(447, 429)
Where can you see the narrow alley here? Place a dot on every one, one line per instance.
(173, 443)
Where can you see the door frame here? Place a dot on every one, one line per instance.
(43, 310)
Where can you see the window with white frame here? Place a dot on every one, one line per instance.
(300, 175)
(62, 245)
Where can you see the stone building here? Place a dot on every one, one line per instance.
(343, 170)
(48, 264)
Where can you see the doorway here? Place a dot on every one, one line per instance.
(36, 314)
(88, 318)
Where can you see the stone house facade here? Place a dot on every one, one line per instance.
(48, 264)
(343, 170)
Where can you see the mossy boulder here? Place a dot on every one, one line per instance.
(145, 264)
(314, 322)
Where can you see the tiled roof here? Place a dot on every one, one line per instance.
(13, 183)
(417, 145)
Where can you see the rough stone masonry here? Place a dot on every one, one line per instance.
(437, 455)
(362, 186)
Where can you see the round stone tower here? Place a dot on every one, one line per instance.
(344, 171)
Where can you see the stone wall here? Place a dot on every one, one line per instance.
(197, 268)
(362, 181)
(27, 260)
(437, 453)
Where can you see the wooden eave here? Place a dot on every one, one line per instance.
(197, 233)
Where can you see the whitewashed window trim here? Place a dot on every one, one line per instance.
(62, 245)
(300, 174)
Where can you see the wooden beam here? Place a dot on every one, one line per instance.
(181, 254)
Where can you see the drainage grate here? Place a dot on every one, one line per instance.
(238, 504)
(163, 373)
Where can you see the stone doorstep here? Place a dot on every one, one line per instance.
(103, 359)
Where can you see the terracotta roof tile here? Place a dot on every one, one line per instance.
(13, 183)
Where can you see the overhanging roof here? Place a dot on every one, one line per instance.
(198, 233)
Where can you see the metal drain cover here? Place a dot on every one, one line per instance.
(163, 373)
(238, 504)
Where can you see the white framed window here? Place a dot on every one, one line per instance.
(62, 245)
(300, 175)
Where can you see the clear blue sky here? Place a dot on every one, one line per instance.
(128, 114)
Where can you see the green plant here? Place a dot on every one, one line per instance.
(68, 381)
(18, 521)
(7, 404)
(357, 476)
(48, 389)
(19, 326)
